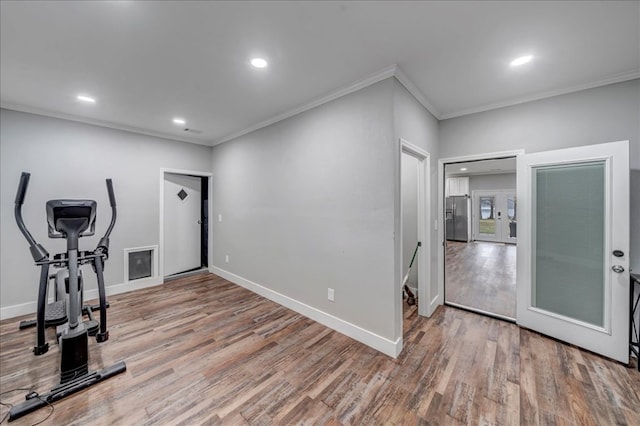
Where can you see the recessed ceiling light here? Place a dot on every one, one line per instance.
(259, 63)
(463, 169)
(85, 98)
(521, 60)
(179, 121)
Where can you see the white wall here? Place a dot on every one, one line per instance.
(308, 204)
(604, 114)
(71, 160)
(409, 217)
(416, 125)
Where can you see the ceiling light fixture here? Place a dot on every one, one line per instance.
(259, 63)
(85, 98)
(463, 169)
(521, 60)
(179, 121)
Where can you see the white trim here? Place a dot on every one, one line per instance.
(18, 310)
(382, 344)
(618, 78)
(441, 180)
(208, 175)
(154, 263)
(435, 302)
(353, 87)
(424, 228)
(413, 89)
(390, 71)
(101, 123)
(31, 307)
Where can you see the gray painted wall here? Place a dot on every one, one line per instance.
(71, 160)
(409, 216)
(415, 124)
(308, 204)
(604, 114)
(497, 181)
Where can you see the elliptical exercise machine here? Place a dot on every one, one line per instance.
(69, 219)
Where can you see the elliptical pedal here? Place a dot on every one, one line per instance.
(92, 327)
(55, 313)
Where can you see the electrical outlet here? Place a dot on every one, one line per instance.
(226, 258)
(220, 217)
(331, 294)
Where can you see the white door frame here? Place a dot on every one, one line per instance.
(439, 298)
(164, 171)
(425, 307)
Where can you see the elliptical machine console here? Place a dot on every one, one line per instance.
(69, 219)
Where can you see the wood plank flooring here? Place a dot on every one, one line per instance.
(481, 275)
(201, 350)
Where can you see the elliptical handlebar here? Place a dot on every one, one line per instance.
(112, 197)
(37, 251)
(103, 245)
(22, 187)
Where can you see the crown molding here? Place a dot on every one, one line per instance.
(417, 93)
(618, 78)
(390, 71)
(353, 87)
(101, 123)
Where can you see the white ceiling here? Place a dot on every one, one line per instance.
(149, 61)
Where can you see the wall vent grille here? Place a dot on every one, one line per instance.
(140, 263)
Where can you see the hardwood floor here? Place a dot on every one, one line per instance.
(201, 350)
(481, 275)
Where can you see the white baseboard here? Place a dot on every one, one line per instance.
(434, 304)
(17, 310)
(30, 307)
(384, 345)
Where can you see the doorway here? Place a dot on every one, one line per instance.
(494, 215)
(573, 244)
(185, 203)
(410, 238)
(414, 208)
(480, 235)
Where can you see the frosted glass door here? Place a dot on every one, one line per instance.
(568, 262)
(573, 246)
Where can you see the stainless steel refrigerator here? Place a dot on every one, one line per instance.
(456, 220)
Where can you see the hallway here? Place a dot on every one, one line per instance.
(481, 275)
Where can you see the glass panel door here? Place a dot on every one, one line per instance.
(512, 218)
(488, 215)
(573, 246)
(569, 213)
(494, 215)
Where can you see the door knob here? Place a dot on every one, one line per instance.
(199, 222)
(617, 268)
